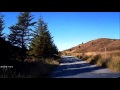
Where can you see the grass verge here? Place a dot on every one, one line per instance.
(37, 69)
(112, 61)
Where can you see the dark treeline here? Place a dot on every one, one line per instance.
(28, 41)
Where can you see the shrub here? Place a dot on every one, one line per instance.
(103, 62)
(93, 59)
(85, 57)
(114, 63)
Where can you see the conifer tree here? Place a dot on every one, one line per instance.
(42, 45)
(21, 32)
(1, 26)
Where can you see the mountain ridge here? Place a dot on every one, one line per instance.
(96, 45)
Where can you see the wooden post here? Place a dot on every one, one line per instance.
(105, 52)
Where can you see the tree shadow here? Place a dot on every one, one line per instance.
(65, 70)
(69, 68)
(70, 60)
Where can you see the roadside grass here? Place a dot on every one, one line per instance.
(93, 59)
(114, 64)
(26, 69)
(111, 61)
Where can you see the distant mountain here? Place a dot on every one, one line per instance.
(97, 45)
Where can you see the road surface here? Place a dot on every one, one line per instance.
(72, 67)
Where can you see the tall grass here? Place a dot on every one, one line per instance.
(37, 69)
(93, 59)
(111, 61)
(114, 63)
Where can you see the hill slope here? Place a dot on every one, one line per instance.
(97, 45)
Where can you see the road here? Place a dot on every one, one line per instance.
(72, 67)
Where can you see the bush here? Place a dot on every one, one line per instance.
(93, 59)
(103, 62)
(114, 63)
(85, 57)
(80, 57)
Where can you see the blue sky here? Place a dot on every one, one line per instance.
(72, 28)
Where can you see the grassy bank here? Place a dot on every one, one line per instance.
(111, 60)
(38, 69)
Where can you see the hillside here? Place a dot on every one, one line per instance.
(97, 45)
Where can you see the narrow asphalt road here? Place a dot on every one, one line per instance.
(72, 67)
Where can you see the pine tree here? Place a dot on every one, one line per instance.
(20, 32)
(13, 37)
(1, 25)
(42, 45)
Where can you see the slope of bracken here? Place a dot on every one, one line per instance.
(97, 45)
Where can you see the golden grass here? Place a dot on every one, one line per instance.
(94, 46)
(93, 59)
(114, 63)
(111, 61)
(53, 62)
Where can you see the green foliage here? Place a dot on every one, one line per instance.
(1, 25)
(21, 32)
(42, 45)
(14, 36)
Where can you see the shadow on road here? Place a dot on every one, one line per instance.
(68, 70)
(71, 66)
(70, 60)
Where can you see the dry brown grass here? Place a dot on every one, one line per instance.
(97, 45)
(38, 69)
(93, 59)
(111, 61)
(114, 63)
(94, 52)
